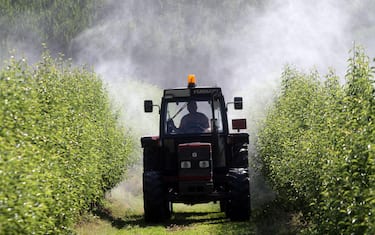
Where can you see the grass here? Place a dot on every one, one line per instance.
(123, 214)
(198, 219)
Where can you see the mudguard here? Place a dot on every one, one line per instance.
(151, 154)
(239, 151)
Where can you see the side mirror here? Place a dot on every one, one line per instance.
(148, 106)
(237, 102)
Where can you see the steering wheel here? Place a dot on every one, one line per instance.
(193, 127)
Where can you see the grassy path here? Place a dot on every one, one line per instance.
(198, 219)
(123, 214)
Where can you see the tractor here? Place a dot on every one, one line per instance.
(195, 159)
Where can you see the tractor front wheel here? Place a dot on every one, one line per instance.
(238, 207)
(156, 205)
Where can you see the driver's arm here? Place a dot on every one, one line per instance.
(183, 123)
(206, 124)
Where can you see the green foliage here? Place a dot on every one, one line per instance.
(317, 145)
(55, 22)
(60, 146)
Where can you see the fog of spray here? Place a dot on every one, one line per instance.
(141, 47)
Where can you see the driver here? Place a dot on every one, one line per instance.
(194, 121)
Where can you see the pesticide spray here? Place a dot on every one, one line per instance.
(142, 47)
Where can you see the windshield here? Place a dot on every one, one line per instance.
(192, 116)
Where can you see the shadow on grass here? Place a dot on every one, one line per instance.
(278, 218)
(178, 219)
(187, 218)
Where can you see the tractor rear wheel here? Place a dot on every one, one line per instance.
(223, 205)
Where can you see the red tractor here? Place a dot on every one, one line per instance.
(195, 159)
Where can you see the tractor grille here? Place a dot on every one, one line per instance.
(195, 168)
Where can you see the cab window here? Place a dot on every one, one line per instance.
(188, 117)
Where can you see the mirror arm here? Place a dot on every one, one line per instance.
(227, 104)
(156, 105)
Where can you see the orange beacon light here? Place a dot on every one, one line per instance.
(191, 81)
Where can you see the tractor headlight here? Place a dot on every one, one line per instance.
(204, 164)
(185, 164)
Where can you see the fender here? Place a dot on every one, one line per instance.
(237, 144)
(151, 153)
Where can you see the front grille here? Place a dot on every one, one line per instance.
(195, 168)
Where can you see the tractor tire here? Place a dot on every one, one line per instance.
(240, 159)
(223, 205)
(157, 208)
(238, 207)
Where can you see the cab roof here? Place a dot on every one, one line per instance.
(190, 92)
